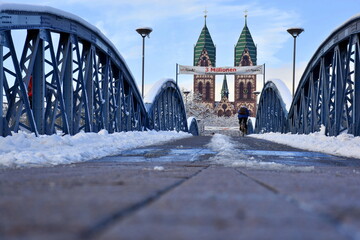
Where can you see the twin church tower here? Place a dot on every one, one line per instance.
(244, 85)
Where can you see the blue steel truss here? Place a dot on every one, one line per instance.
(167, 110)
(79, 80)
(193, 126)
(329, 90)
(328, 93)
(271, 114)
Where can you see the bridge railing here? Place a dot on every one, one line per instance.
(328, 93)
(166, 107)
(193, 126)
(69, 77)
(329, 90)
(272, 110)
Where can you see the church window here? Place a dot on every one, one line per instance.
(228, 113)
(248, 88)
(245, 61)
(200, 88)
(241, 90)
(207, 91)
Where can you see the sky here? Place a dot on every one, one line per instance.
(177, 25)
(22, 150)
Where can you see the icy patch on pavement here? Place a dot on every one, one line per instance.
(229, 155)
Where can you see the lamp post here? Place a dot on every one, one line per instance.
(186, 93)
(144, 32)
(294, 32)
(256, 93)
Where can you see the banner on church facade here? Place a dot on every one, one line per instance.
(248, 70)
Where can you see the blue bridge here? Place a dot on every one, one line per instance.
(70, 77)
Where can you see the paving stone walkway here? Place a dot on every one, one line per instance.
(175, 191)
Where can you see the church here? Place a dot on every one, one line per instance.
(244, 85)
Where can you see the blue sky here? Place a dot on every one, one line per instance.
(177, 25)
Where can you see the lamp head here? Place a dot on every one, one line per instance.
(144, 31)
(295, 31)
(186, 92)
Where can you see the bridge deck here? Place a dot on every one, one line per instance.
(125, 197)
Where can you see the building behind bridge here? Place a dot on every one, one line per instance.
(245, 54)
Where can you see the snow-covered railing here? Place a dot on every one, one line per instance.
(69, 76)
(272, 109)
(166, 107)
(329, 90)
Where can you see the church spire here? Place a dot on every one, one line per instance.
(224, 89)
(205, 42)
(245, 42)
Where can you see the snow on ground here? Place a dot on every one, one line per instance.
(345, 145)
(26, 150)
(229, 155)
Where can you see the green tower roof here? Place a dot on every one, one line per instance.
(224, 89)
(205, 41)
(245, 41)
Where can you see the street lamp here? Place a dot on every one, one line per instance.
(144, 32)
(294, 32)
(186, 93)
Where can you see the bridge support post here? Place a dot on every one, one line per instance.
(356, 100)
(67, 77)
(1, 89)
(39, 88)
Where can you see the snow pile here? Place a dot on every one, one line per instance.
(26, 150)
(159, 168)
(229, 155)
(345, 145)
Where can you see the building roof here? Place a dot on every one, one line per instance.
(245, 41)
(205, 41)
(224, 89)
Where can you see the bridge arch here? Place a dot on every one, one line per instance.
(272, 109)
(328, 93)
(166, 107)
(80, 81)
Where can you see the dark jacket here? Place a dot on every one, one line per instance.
(243, 114)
